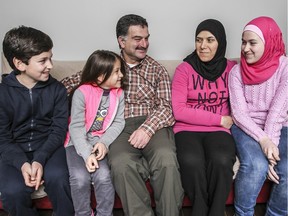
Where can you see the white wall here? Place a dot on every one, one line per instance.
(80, 27)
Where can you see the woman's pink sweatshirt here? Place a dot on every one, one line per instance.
(198, 104)
(261, 110)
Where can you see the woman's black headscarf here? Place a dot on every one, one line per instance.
(213, 69)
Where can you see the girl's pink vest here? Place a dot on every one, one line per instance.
(93, 95)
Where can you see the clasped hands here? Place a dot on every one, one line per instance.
(32, 174)
(272, 153)
(98, 153)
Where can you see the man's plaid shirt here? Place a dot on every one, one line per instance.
(148, 93)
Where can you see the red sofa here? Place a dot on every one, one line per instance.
(44, 203)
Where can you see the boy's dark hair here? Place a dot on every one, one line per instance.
(23, 43)
(126, 21)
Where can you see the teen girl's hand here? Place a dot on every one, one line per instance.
(92, 163)
(270, 150)
(272, 175)
(100, 150)
(139, 139)
(226, 122)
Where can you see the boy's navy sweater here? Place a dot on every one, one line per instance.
(32, 120)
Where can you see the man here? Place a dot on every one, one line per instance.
(145, 149)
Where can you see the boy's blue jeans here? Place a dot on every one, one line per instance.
(253, 172)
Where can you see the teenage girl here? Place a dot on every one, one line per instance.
(258, 97)
(97, 118)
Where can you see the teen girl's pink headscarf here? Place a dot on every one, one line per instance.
(268, 30)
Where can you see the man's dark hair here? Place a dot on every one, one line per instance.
(25, 42)
(126, 21)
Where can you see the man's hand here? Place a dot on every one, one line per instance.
(139, 139)
(36, 174)
(226, 122)
(270, 150)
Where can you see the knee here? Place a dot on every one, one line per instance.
(102, 175)
(164, 158)
(16, 194)
(80, 180)
(222, 163)
(259, 166)
(120, 165)
(120, 162)
(56, 179)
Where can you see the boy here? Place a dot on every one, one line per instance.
(33, 113)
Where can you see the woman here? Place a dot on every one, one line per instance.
(205, 147)
(258, 94)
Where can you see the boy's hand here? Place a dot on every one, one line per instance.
(26, 170)
(36, 174)
(100, 150)
(92, 163)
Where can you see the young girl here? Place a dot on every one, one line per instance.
(97, 118)
(258, 95)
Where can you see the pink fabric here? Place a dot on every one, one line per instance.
(92, 99)
(263, 69)
(92, 95)
(260, 110)
(255, 29)
(198, 104)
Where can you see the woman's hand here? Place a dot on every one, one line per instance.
(226, 122)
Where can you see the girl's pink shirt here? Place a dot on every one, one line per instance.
(260, 110)
(198, 104)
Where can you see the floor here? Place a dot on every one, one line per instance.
(259, 211)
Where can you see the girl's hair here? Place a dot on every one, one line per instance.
(100, 62)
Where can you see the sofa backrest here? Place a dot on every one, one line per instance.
(62, 69)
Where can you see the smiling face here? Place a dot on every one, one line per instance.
(114, 81)
(206, 46)
(37, 69)
(252, 47)
(135, 44)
